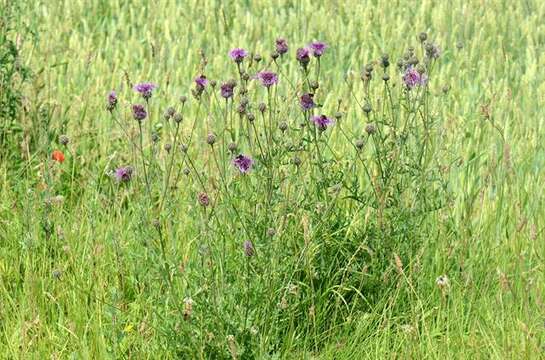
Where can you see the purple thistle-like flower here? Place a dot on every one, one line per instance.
(267, 78)
(227, 89)
(243, 163)
(281, 46)
(123, 174)
(201, 81)
(307, 101)
(203, 198)
(145, 89)
(318, 48)
(238, 54)
(112, 100)
(413, 78)
(303, 56)
(248, 248)
(322, 121)
(139, 112)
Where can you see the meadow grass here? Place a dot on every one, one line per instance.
(94, 287)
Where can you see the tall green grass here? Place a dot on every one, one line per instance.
(59, 296)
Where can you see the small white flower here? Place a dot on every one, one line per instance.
(442, 281)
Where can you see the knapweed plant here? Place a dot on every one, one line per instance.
(305, 195)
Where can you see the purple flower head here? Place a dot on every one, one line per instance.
(413, 78)
(145, 89)
(322, 121)
(227, 89)
(303, 56)
(139, 112)
(248, 248)
(318, 48)
(307, 101)
(281, 46)
(203, 198)
(112, 100)
(238, 54)
(267, 78)
(243, 163)
(123, 174)
(200, 82)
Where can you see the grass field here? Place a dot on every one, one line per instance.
(92, 268)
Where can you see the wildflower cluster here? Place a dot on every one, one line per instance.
(269, 161)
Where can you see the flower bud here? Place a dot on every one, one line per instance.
(262, 107)
(359, 144)
(257, 58)
(183, 99)
(178, 118)
(422, 36)
(167, 147)
(370, 129)
(211, 139)
(232, 147)
(248, 248)
(367, 108)
(251, 117)
(283, 126)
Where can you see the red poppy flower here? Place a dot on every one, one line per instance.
(58, 156)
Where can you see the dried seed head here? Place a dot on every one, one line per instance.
(257, 58)
(244, 101)
(183, 99)
(283, 126)
(338, 115)
(314, 85)
(211, 139)
(155, 137)
(213, 83)
(56, 274)
(296, 161)
(459, 45)
(169, 112)
(421, 69)
(262, 107)
(442, 281)
(186, 171)
(445, 89)
(275, 55)
(271, 232)
(184, 148)
(245, 77)
(251, 117)
(385, 77)
(167, 147)
(64, 140)
(369, 68)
